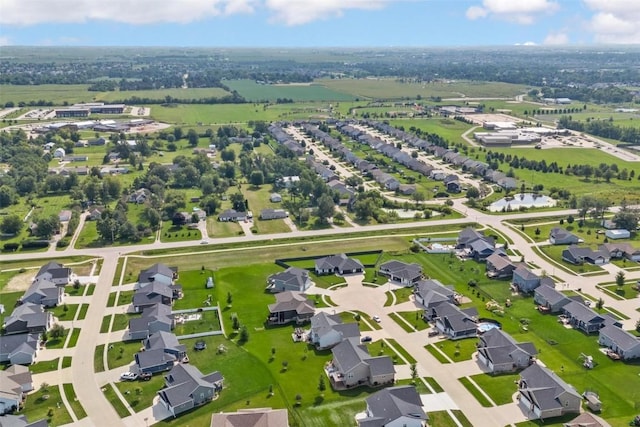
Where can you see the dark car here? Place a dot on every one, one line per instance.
(366, 338)
(144, 376)
(433, 333)
(200, 345)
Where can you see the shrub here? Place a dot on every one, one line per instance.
(10, 247)
(32, 244)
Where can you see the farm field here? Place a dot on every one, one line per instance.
(179, 93)
(55, 93)
(255, 92)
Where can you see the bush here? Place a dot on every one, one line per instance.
(63, 243)
(31, 244)
(10, 247)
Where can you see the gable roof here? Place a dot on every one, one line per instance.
(623, 339)
(291, 276)
(340, 262)
(543, 386)
(32, 314)
(499, 347)
(392, 403)
(162, 340)
(292, 301)
(149, 274)
(19, 343)
(551, 295)
(259, 417)
(525, 273)
(402, 269)
(499, 261)
(582, 313)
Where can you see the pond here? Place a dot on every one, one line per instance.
(527, 200)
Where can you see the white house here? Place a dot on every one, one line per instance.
(617, 234)
(59, 153)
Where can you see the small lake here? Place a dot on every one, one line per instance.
(527, 200)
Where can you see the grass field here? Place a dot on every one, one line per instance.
(188, 93)
(42, 402)
(140, 394)
(54, 93)
(255, 92)
(115, 401)
(121, 354)
(473, 390)
(499, 388)
(449, 129)
(172, 233)
(98, 358)
(217, 228)
(76, 406)
(44, 366)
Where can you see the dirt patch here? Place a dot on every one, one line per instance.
(19, 282)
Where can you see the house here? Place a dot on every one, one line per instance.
(394, 406)
(549, 300)
(583, 318)
(586, 419)
(180, 218)
(159, 353)
(288, 181)
(526, 281)
(617, 234)
(481, 249)
(292, 279)
(55, 273)
(95, 213)
(154, 293)
(19, 349)
(268, 213)
(21, 421)
(15, 382)
(59, 153)
(499, 266)
(251, 417)
(621, 342)
(407, 189)
(401, 272)
(352, 365)
(290, 306)
(43, 292)
(499, 352)
(139, 196)
(609, 224)
(468, 236)
(232, 215)
(154, 319)
(580, 254)
(507, 183)
(275, 198)
(621, 250)
(186, 388)
(328, 330)
(97, 141)
(157, 273)
(454, 322)
(437, 174)
(430, 293)
(560, 236)
(64, 215)
(543, 395)
(28, 318)
(338, 264)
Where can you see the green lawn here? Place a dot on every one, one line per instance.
(121, 354)
(404, 353)
(458, 350)
(209, 321)
(555, 253)
(76, 406)
(217, 228)
(500, 388)
(98, 358)
(170, 233)
(66, 362)
(435, 353)
(125, 297)
(41, 402)
(75, 334)
(381, 348)
(414, 318)
(434, 384)
(83, 311)
(104, 326)
(140, 394)
(255, 92)
(475, 392)
(44, 366)
(271, 226)
(115, 401)
(441, 419)
(121, 321)
(64, 311)
(90, 290)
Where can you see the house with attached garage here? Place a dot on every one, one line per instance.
(454, 322)
(290, 306)
(157, 273)
(251, 417)
(329, 330)
(621, 250)
(269, 213)
(19, 349)
(621, 342)
(55, 273)
(160, 351)
(499, 266)
(231, 215)
(560, 236)
(155, 293)
(394, 406)
(526, 281)
(292, 279)
(338, 264)
(43, 292)
(401, 272)
(429, 293)
(499, 352)
(580, 254)
(585, 319)
(28, 318)
(15, 383)
(549, 300)
(154, 319)
(352, 366)
(187, 388)
(543, 395)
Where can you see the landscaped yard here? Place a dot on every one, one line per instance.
(41, 403)
(125, 297)
(121, 354)
(76, 406)
(171, 233)
(500, 388)
(64, 311)
(207, 322)
(44, 366)
(140, 394)
(121, 321)
(217, 228)
(414, 318)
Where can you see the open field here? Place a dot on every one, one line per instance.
(41, 402)
(255, 92)
(179, 93)
(54, 93)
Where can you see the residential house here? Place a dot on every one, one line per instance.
(543, 395)
(95, 213)
(454, 322)
(617, 234)
(231, 215)
(499, 266)
(586, 419)
(154, 293)
(560, 236)
(499, 352)
(526, 281)
(28, 318)
(401, 272)
(338, 264)
(394, 406)
(580, 254)
(139, 196)
(59, 153)
(621, 342)
(55, 273)
(43, 292)
(275, 198)
(437, 174)
(19, 349)
(292, 279)
(15, 382)
(251, 417)
(97, 141)
(64, 215)
(160, 351)
(154, 319)
(507, 183)
(407, 189)
(187, 388)
(430, 293)
(21, 421)
(157, 273)
(621, 250)
(453, 187)
(549, 299)
(328, 330)
(481, 249)
(352, 365)
(291, 306)
(269, 213)
(288, 181)
(583, 318)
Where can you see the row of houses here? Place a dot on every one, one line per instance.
(283, 138)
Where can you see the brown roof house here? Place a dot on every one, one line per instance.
(290, 306)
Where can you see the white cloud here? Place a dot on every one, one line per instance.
(519, 11)
(615, 21)
(5, 41)
(556, 38)
(297, 12)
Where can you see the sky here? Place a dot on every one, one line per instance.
(318, 23)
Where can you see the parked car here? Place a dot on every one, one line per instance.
(376, 318)
(433, 333)
(145, 376)
(204, 242)
(128, 376)
(366, 338)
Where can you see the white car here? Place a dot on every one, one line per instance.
(376, 319)
(128, 376)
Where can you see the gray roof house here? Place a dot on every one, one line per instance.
(157, 273)
(621, 250)
(429, 293)
(186, 388)
(232, 215)
(290, 306)
(269, 213)
(15, 382)
(580, 254)
(543, 395)
(499, 266)
(394, 406)
(28, 318)
(527, 281)
(154, 319)
(292, 279)
(549, 300)
(160, 352)
(560, 236)
(454, 322)
(19, 349)
(583, 318)
(139, 196)
(468, 235)
(275, 198)
(152, 294)
(328, 330)
(21, 421)
(401, 272)
(55, 273)
(43, 292)
(499, 352)
(621, 342)
(352, 365)
(338, 264)
(251, 417)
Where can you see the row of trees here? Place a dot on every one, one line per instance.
(602, 128)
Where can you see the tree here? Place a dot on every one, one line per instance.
(57, 331)
(153, 218)
(257, 178)
(8, 196)
(414, 373)
(237, 202)
(47, 226)
(600, 304)
(11, 224)
(192, 136)
(298, 399)
(418, 197)
(244, 335)
(229, 298)
(626, 218)
(473, 193)
(326, 208)
(228, 155)
(620, 278)
(177, 133)
(321, 384)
